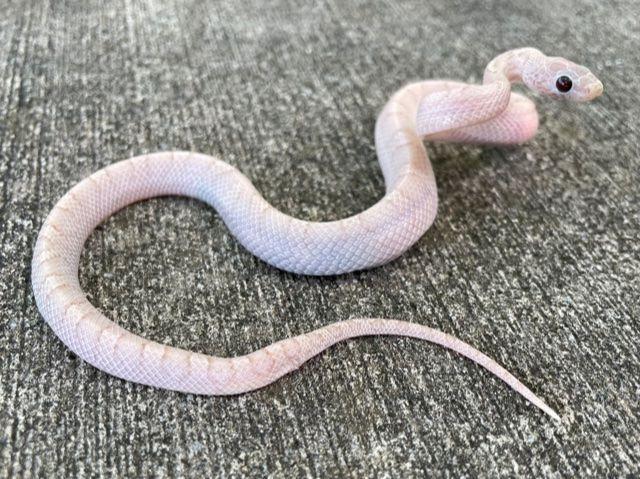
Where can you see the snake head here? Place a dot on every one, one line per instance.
(561, 78)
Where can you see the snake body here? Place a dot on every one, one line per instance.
(432, 110)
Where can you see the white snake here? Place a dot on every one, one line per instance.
(435, 110)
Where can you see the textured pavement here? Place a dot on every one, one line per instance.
(534, 257)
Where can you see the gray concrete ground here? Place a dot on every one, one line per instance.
(534, 257)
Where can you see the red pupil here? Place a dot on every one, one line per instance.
(564, 84)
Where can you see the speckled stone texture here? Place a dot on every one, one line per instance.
(534, 257)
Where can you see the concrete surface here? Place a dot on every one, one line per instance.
(534, 257)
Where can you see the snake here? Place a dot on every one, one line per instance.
(431, 110)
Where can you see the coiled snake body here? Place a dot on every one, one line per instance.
(433, 110)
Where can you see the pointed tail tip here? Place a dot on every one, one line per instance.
(539, 403)
(550, 412)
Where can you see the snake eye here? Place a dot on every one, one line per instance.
(564, 84)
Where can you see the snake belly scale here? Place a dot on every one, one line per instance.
(431, 110)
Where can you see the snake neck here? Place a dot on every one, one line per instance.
(515, 66)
